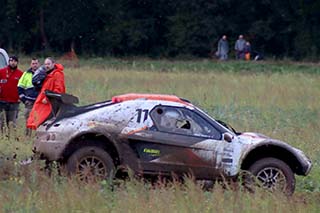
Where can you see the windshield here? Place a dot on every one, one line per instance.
(222, 124)
(228, 126)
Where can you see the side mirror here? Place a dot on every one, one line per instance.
(227, 137)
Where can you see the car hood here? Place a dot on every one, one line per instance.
(250, 140)
(252, 137)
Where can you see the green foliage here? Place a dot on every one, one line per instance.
(160, 28)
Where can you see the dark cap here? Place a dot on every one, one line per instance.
(13, 57)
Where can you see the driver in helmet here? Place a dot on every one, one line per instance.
(173, 119)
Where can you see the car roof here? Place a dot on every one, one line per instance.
(3, 58)
(158, 97)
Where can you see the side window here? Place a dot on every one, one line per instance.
(199, 126)
(183, 121)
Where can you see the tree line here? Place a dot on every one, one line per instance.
(160, 28)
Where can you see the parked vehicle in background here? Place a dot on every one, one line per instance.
(156, 135)
(3, 58)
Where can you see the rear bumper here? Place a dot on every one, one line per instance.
(50, 150)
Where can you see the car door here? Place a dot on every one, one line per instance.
(181, 141)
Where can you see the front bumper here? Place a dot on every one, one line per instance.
(306, 167)
(305, 163)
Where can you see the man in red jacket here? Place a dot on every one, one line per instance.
(9, 98)
(54, 81)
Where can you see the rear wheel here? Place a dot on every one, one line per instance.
(91, 164)
(272, 174)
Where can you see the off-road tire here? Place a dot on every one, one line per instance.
(91, 164)
(273, 174)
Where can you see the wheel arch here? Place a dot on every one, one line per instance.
(92, 139)
(276, 151)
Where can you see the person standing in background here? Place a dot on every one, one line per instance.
(247, 51)
(9, 98)
(223, 48)
(239, 47)
(53, 81)
(27, 92)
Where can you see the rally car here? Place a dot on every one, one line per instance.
(165, 135)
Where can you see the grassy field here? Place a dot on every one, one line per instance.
(279, 99)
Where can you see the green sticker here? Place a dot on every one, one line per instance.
(152, 152)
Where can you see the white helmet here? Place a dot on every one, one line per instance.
(170, 118)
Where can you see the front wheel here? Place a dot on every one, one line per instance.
(91, 164)
(272, 174)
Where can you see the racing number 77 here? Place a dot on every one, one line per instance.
(140, 111)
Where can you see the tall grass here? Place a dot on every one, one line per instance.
(277, 99)
(38, 193)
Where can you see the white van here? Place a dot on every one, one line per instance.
(4, 58)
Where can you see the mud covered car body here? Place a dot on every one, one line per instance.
(159, 134)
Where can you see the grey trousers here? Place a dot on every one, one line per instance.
(8, 115)
(27, 109)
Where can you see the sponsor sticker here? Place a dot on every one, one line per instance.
(152, 152)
